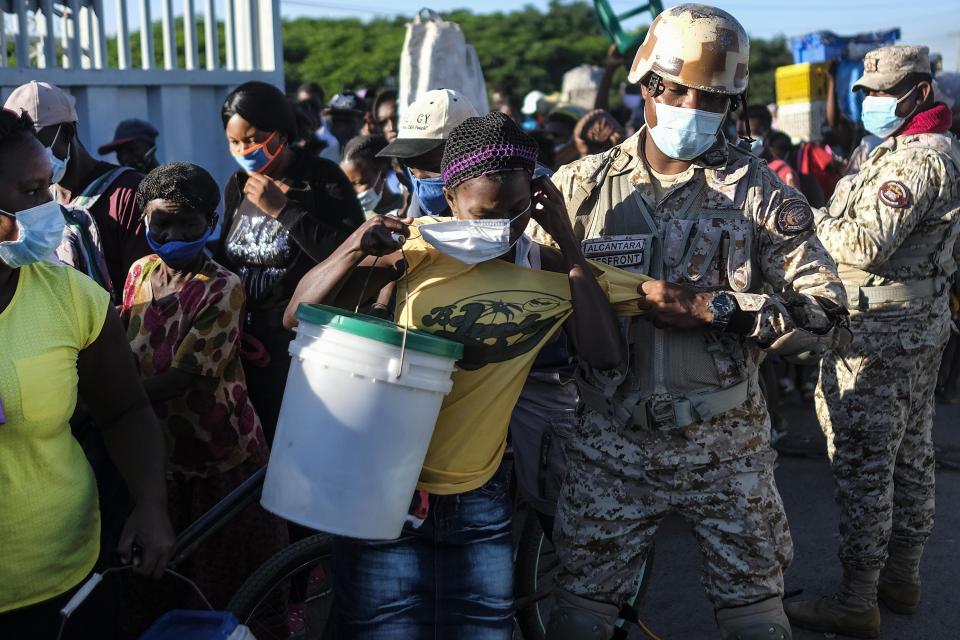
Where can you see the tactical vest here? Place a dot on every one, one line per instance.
(676, 377)
(925, 247)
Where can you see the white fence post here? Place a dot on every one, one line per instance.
(211, 35)
(169, 35)
(271, 46)
(189, 35)
(22, 48)
(123, 36)
(49, 38)
(99, 36)
(73, 35)
(229, 34)
(146, 35)
(3, 38)
(86, 38)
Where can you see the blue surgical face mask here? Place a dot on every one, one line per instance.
(178, 253)
(756, 146)
(429, 194)
(256, 158)
(59, 166)
(685, 134)
(40, 233)
(879, 114)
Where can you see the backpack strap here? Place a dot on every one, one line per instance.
(98, 187)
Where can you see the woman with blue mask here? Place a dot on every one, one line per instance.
(284, 210)
(183, 313)
(62, 342)
(476, 278)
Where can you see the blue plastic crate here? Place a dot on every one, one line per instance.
(819, 46)
(848, 72)
(823, 46)
(192, 625)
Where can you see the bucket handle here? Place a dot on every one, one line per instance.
(406, 313)
(406, 300)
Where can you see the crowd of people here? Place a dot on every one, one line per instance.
(674, 266)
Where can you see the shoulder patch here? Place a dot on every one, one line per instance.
(795, 216)
(894, 193)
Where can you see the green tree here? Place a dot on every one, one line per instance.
(765, 57)
(524, 49)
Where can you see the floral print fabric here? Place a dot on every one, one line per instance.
(213, 427)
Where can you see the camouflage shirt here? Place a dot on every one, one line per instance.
(896, 221)
(727, 224)
(785, 250)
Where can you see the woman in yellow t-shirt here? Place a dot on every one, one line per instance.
(468, 279)
(61, 339)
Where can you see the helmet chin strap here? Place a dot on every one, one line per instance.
(741, 102)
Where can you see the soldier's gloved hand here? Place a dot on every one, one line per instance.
(669, 305)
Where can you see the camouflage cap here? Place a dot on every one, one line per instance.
(883, 68)
(698, 46)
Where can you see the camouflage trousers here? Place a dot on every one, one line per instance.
(877, 416)
(609, 512)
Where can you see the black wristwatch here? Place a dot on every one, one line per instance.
(723, 306)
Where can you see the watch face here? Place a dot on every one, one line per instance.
(722, 306)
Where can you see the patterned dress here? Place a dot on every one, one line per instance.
(213, 427)
(214, 435)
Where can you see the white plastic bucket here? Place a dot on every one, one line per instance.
(352, 435)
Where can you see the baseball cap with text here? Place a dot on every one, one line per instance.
(428, 121)
(45, 103)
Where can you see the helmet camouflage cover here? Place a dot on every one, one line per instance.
(698, 46)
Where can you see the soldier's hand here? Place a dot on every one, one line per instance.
(669, 305)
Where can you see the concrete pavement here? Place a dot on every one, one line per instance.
(675, 607)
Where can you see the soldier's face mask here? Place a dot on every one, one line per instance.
(684, 134)
(879, 114)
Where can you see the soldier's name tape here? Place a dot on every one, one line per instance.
(617, 251)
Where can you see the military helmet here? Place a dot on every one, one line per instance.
(698, 46)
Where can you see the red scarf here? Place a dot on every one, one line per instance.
(936, 119)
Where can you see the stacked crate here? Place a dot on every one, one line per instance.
(802, 100)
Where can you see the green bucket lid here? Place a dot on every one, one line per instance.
(380, 330)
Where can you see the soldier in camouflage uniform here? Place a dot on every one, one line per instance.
(892, 229)
(683, 427)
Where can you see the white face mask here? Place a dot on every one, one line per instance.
(685, 134)
(369, 199)
(471, 241)
(59, 166)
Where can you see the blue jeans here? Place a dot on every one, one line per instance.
(450, 579)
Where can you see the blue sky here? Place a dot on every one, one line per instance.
(935, 23)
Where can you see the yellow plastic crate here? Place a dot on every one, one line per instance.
(806, 82)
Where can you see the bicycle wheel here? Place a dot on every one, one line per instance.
(535, 572)
(291, 595)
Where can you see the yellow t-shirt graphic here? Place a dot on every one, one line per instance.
(503, 314)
